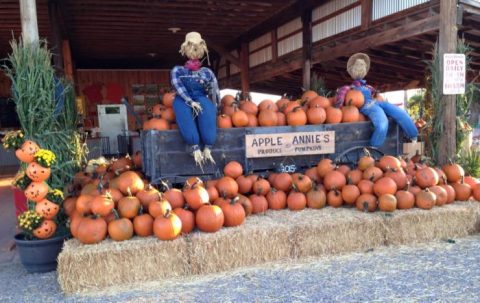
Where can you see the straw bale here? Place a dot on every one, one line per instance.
(330, 230)
(417, 225)
(259, 240)
(92, 267)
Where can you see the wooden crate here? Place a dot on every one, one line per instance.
(165, 155)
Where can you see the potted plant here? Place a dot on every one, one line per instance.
(49, 148)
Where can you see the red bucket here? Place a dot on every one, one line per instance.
(20, 201)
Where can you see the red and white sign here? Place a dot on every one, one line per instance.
(453, 74)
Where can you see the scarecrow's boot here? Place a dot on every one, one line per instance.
(207, 155)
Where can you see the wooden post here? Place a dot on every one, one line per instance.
(307, 47)
(274, 46)
(57, 37)
(447, 44)
(367, 6)
(67, 60)
(244, 60)
(28, 16)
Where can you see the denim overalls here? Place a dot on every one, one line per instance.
(378, 112)
(200, 129)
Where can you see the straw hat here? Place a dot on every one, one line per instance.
(354, 57)
(194, 38)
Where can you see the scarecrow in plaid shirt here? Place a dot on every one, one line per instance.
(357, 67)
(197, 97)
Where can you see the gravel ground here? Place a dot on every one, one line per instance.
(446, 271)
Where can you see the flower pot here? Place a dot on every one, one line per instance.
(39, 255)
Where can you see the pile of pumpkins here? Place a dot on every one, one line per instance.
(309, 109)
(117, 202)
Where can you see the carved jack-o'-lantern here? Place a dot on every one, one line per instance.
(45, 230)
(36, 191)
(27, 151)
(38, 173)
(47, 209)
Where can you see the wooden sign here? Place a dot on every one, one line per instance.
(289, 144)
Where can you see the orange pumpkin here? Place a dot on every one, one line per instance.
(319, 101)
(233, 169)
(316, 115)
(309, 95)
(244, 185)
(372, 173)
(440, 195)
(334, 198)
(27, 151)
(45, 230)
(175, 197)
(334, 115)
(301, 182)
(259, 203)
(188, 219)
(234, 214)
(102, 205)
(426, 177)
(355, 176)
(239, 118)
(47, 209)
(227, 187)
(167, 99)
(296, 200)
(389, 162)
(316, 198)
(224, 121)
(143, 225)
(405, 199)
(209, 218)
(261, 187)
(120, 229)
(350, 114)
(159, 208)
(366, 203)
(283, 181)
(267, 104)
(246, 204)
(37, 173)
(249, 107)
(384, 185)
(365, 186)
(167, 226)
(450, 192)
(130, 181)
(147, 195)
(334, 179)
(365, 161)
(454, 172)
(267, 117)
(297, 117)
(324, 166)
(276, 199)
(425, 199)
(196, 196)
(387, 202)
(463, 191)
(350, 193)
(128, 207)
(355, 98)
(91, 230)
(36, 191)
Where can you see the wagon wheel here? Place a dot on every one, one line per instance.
(351, 155)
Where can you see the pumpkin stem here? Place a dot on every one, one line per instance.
(167, 213)
(366, 152)
(365, 206)
(115, 213)
(234, 200)
(129, 192)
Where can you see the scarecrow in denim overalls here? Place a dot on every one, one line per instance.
(195, 112)
(357, 67)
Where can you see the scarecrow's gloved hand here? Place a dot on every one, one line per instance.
(196, 107)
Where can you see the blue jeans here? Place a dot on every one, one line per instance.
(200, 129)
(378, 112)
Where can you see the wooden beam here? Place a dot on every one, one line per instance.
(56, 49)
(322, 53)
(28, 16)
(447, 44)
(67, 60)
(307, 48)
(222, 51)
(244, 58)
(274, 46)
(367, 6)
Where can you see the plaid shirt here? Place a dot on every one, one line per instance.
(203, 75)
